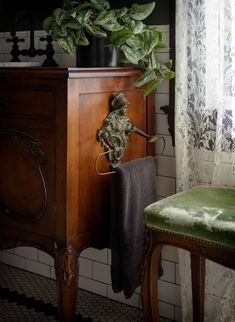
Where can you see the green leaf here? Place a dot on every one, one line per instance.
(168, 64)
(122, 58)
(150, 39)
(117, 38)
(132, 55)
(84, 16)
(171, 74)
(66, 44)
(112, 26)
(108, 21)
(95, 31)
(152, 85)
(76, 34)
(73, 24)
(160, 35)
(134, 42)
(136, 26)
(104, 17)
(72, 14)
(47, 23)
(121, 12)
(155, 29)
(152, 62)
(140, 12)
(58, 31)
(83, 41)
(161, 45)
(59, 15)
(100, 4)
(166, 72)
(147, 76)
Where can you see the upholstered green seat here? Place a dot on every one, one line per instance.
(207, 213)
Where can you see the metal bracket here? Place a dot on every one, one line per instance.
(116, 130)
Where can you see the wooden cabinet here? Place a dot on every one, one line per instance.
(50, 194)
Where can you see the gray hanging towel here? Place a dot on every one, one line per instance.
(133, 188)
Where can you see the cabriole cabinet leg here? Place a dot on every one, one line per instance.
(67, 272)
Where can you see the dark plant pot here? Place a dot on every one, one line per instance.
(97, 54)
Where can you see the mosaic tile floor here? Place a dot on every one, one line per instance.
(27, 297)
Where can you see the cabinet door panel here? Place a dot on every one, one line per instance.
(27, 179)
(23, 188)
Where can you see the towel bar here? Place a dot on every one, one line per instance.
(116, 129)
(110, 151)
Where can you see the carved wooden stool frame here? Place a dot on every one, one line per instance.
(199, 249)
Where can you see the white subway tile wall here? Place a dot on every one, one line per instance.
(166, 310)
(93, 286)
(169, 293)
(14, 260)
(45, 258)
(101, 272)
(85, 267)
(37, 267)
(32, 253)
(166, 167)
(94, 265)
(133, 301)
(165, 186)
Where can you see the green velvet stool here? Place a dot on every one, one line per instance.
(200, 220)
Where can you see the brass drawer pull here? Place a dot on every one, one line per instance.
(4, 102)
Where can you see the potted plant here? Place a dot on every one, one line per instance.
(123, 28)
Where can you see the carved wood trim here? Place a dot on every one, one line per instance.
(147, 244)
(37, 151)
(66, 264)
(221, 254)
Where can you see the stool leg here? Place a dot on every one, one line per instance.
(198, 286)
(149, 286)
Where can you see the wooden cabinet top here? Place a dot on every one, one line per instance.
(68, 72)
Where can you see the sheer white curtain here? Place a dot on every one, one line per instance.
(205, 126)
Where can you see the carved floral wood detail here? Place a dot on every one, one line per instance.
(66, 262)
(35, 150)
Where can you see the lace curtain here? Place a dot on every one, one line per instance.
(205, 126)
